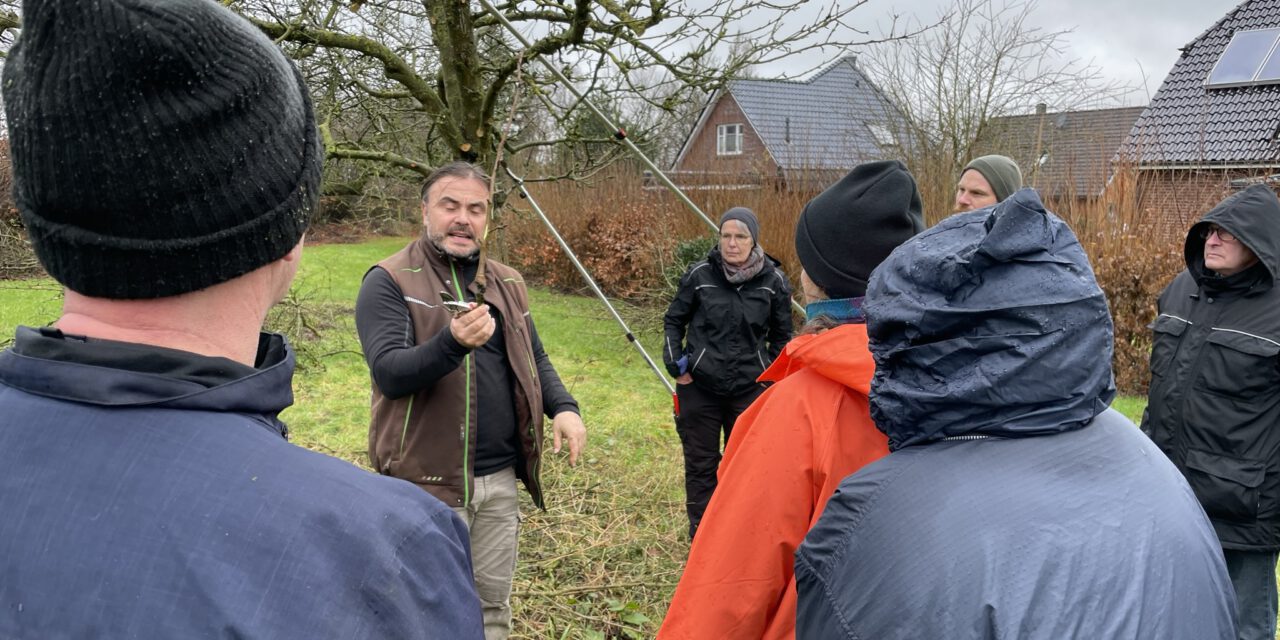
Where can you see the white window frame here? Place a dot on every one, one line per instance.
(729, 139)
(882, 135)
(1257, 70)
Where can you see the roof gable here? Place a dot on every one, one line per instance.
(1187, 124)
(819, 123)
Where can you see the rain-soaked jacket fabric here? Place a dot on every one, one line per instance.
(784, 459)
(1014, 504)
(159, 504)
(991, 323)
(1214, 401)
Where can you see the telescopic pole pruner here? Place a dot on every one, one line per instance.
(619, 133)
(564, 246)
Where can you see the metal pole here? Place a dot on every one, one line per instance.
(619, 134)
(564, 246)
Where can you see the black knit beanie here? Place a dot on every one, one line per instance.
(746, 217)
(850, 228)
(159, 146)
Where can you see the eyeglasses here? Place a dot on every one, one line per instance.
(1223, 234)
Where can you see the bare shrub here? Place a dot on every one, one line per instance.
(628, 237)
(623, 235)
(17, 260)
(627, 233)
(1133, 262)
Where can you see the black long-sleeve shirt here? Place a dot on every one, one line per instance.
(400, 367)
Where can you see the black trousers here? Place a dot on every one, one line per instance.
(703, 417)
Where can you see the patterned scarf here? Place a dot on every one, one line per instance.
(746, 270)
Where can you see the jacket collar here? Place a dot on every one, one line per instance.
(120, 374)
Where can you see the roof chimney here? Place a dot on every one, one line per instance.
(1041, 108)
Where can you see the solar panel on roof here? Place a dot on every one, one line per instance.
(1242, 61)
(1270, 71)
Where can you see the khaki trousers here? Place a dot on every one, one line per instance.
(493, 518)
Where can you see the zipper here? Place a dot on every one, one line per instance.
(466, 412)
(527, 343)
(695, 362)
(1177, 435)
(404, 431)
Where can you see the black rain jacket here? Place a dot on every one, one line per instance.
(1214, 402)
(731, 333)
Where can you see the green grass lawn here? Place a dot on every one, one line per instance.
(1131, 406)
(34, 302)
(602, 561)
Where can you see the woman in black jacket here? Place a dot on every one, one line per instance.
(728, 321)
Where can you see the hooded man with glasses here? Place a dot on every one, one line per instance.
(1214, 402)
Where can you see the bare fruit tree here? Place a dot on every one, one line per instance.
(983, 59)
(402, 86)
(413, 83)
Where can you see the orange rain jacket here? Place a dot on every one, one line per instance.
(787, 454)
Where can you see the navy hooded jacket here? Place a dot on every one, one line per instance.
(1014, 503)
(150, 493)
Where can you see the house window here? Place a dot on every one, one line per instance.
(729, 139)
(882, 134)
(1251, 57)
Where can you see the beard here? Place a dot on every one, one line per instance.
(437, 239)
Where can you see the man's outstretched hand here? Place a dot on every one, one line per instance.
(567, 426)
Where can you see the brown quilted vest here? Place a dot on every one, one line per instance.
(429, 438)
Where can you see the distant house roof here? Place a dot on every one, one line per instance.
(1061, 154)
(830, 121)
(1189, 125)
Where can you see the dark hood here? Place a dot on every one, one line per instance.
(189, 381)
(990, 323)
(1253, 216)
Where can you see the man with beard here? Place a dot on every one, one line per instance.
(459, 388)
(985, 181)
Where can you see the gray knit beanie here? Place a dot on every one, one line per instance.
(159, 146)
(747, 217)
(1001, 172)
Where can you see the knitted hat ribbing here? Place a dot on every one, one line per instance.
(159, 146)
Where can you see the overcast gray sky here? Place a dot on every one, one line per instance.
(1126, 38)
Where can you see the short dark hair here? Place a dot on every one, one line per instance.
(456, 169)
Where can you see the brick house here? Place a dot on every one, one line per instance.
(1066, 156)
(789, 133)
(1214, 125)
